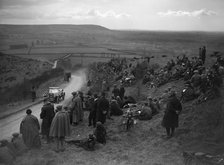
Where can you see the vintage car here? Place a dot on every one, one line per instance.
(55, 94)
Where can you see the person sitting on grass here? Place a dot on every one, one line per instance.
(60, 127)
(86, 143)
(100, 133)
(115, 109)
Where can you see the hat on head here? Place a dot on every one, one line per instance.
(28, 111)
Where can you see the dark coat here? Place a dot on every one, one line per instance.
(115, 109)
(100, 133)
(171, 118)
(102, 110)
(47, 114)
(122, 91)
(116, 92)
(29, 128)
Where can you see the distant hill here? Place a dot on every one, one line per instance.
(27, 29)
(54, 34)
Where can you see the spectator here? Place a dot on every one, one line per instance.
(29, 128)
(121, 92)
(92, 113)
(115, 108)
(100, 133)
(102, 109)
(203, 54)
(170, 119)
(47, 115)
(33, 94)
(76, 109)
(60, 128)
(115, 91)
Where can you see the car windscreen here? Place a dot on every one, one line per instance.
(53, 90)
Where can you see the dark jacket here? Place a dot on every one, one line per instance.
(122, 91)
(102, 109)
(171, 118)
(115, 109)
(116, 92)
(47, 114)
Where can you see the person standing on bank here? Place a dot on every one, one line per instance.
(76, 109)
(33, 93)
(171, 116)
(203, 54)
(47, 115)
(60, 127)
(115, 91)
(92, 111)
(102, 109)
(200, 53)
(121, 92)
(29, 128)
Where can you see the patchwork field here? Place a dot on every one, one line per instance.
(49, 42)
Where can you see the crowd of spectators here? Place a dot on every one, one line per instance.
(199, 78)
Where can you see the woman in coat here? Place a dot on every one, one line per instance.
(60, 127)
(171, 116)
(29, 128)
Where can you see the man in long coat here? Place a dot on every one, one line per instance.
(47, 115)
(29, 128)
(93, 109)
(171, 116)
(103, 109)
(76, 109)
(115, 91)
(60, 127)
(121, 92)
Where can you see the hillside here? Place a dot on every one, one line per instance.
(14, 70)
(51, 34)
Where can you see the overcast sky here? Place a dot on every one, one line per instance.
(205, 15)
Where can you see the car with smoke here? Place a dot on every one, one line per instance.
(55, 94)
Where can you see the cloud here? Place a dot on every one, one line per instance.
(196, 13)
(85, 14)
(106, 14)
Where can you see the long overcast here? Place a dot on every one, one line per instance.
(180, 15)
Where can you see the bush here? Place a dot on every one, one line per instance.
(20, 91)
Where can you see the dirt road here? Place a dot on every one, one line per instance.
(11, 123)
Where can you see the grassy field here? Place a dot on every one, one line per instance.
(92, 40)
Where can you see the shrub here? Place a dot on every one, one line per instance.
(20, 91)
